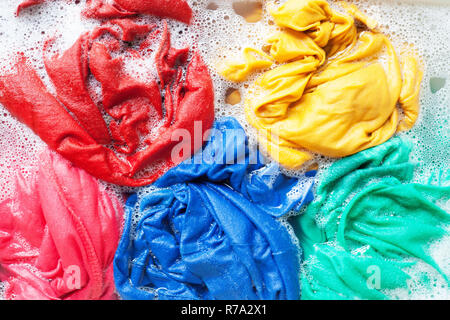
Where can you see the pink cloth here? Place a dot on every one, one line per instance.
(58, 235)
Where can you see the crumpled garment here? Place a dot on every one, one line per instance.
(368, 220)
(58, 235)
(134, 106)
(254, 60)
(332, 95)
(208, 229)
(103, 9)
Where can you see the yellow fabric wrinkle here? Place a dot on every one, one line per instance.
(355, 12)
(276, 89)
(239, 71)
(301, 15)
(343, 34)
(337, 90)
(321, 34)
(290, 45)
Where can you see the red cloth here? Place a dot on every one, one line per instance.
(82, 135)
(58, 235)
(100, 9)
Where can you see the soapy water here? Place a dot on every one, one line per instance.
(220, 30)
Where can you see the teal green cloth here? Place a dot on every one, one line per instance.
(367, 224)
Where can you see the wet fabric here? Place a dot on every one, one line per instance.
(208, 230)
(368, 224)
(133, 105)
(336, 90)
(254, 60)
(102, 9)
(58, 235)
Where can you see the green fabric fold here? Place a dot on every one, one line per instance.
(367, 224)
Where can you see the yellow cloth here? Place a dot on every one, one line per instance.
(337, 92)
(254, 60)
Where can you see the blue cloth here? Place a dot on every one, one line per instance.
(208, 228)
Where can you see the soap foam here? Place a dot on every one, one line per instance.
(218, 33)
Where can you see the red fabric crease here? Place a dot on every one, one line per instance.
(82, 136)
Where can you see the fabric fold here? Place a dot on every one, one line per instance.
(208, 229)
(369, 224)
(135, 148)
(336, 89)
(58, 235)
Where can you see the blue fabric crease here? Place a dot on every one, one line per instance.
(208, 228)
